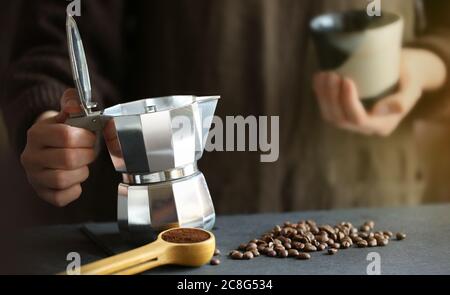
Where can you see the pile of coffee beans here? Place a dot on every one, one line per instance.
(299, 239)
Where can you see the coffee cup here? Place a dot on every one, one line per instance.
(366, 49)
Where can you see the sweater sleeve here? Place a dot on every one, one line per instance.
(435, 37)
(39, 71)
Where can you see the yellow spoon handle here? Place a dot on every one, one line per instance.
(150, 255)
(139, 268)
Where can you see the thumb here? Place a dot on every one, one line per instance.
(70, 102)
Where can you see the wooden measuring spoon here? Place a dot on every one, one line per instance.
(180, 246)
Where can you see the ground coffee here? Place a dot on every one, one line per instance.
(185, 236)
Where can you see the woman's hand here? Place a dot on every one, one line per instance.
(340, 105)
(57, 156)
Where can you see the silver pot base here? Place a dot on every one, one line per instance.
(145, 210)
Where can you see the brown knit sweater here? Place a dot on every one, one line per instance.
(257, 54)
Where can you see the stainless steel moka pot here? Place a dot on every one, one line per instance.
(155, 143)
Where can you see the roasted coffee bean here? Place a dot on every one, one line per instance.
(216, 252)
(311, 222)
(364, 235)
(362, 244)
(372, 242)
(364, 228)
(322, 247)
(388, 233)
(277, 242)
(322, 233)
(348, 240)
(314, 230)
(279, 248)
(328, 228)
(309, 248)
(370, 224)
(304, 240)
(293, 253)
(215, 261)
(315, 243)
(251, 246)
(255, 253)
(310, 236)
(330, 242)
(334, 237)
(266, 238)
(332, 251)
(277, 229)
(236, 255)
(383, 242)
(271, 253)
(358, 239)
(347, 224)
(400, 236)
(336, 246)
(296, 238)
(303, 256)
(296, 245)
(340, 236)
(301, 227)
(242, 246)
(322, 238)
(287, 246)
(264, 251)
(379, 237)
(248, 255)
(283, 254)
(261, 247)
(346, 244)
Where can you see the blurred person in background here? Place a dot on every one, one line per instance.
(259, 56)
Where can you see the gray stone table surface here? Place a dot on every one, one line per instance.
(426, 249)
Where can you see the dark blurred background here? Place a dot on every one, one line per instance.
(431, 136)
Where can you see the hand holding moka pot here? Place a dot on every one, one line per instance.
(155, 143)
